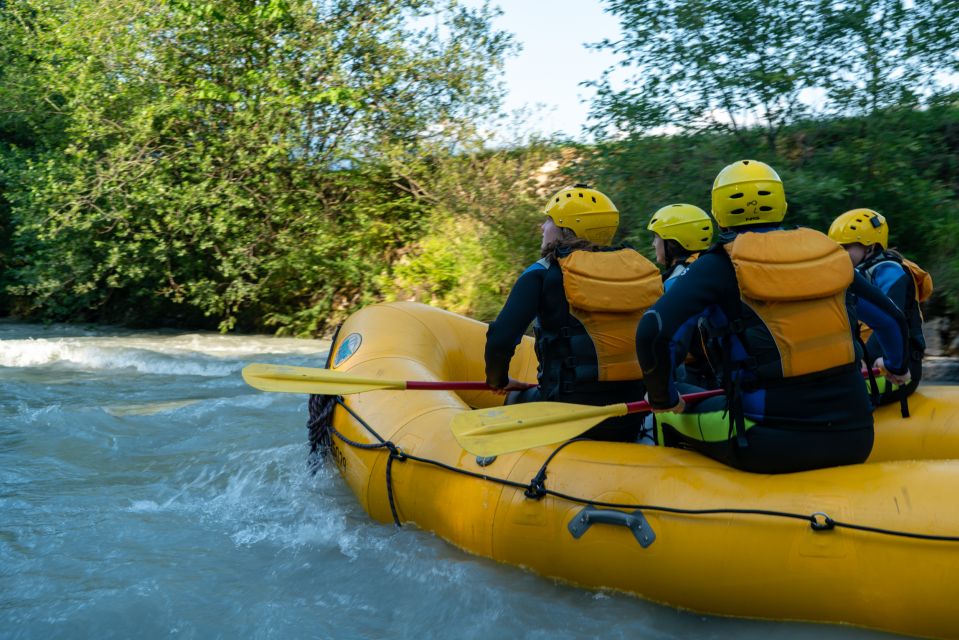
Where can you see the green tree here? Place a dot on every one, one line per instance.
(697, 65)
(738, 65)
(224, 158)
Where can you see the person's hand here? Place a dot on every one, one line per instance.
(678, 408)
(511, 385)
(900, 379)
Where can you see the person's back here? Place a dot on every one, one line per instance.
(584, 299)
(864, 234)
(775, 300)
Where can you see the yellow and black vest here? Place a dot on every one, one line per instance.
(795, 282)
(607, 293)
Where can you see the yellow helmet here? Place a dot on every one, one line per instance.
(687, 224)
(864, 226)
(585, 211)
(748, 192)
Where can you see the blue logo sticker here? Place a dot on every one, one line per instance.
(347, 348)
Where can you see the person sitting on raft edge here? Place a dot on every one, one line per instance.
(584, 299)
(775, 304)
(864, 234)
(680, 232)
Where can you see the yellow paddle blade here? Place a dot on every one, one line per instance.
(286, 379)
(499, 430)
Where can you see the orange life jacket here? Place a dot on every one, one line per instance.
(608, 292)
(796, 282)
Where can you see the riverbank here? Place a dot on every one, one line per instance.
(942, 350)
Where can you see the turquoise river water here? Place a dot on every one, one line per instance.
(147, 492)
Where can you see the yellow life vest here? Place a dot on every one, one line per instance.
(608, 292)
(796, 282)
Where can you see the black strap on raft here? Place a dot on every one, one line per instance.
(873, 385)
(732, 385)
(537, 486)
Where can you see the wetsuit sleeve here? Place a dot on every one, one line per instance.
(886, 320)
(708, 281)
(892, 279)
(507, 330)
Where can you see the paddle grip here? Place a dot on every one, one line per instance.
(689, 398)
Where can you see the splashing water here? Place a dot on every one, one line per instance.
(145, 492)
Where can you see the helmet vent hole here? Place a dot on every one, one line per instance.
(580, 195)
(852, 227)
(765, 208)
(737, 195)
(594, 198)
(764, 193)
(569, 195)
(735, 211)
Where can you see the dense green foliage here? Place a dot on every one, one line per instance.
(274, 164)
(175, 160)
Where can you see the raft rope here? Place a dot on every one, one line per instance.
(322, 431)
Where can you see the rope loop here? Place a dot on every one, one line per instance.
(537, 487)
(819, 521)
(395, 452)
(389, 489)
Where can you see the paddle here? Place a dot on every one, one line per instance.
(287, 379)
(498, 430)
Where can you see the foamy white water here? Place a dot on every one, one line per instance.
(147, 492)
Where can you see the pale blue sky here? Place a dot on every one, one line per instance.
(554, 59)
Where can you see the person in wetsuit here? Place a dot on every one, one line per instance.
(680, 231)
(864, 234)
(584, 299)
(775, 304)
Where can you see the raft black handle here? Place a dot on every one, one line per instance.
(634, 521)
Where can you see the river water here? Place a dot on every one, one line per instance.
(146, 491)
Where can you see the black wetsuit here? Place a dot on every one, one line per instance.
(791, 424)
(696, 368)
(568, 368)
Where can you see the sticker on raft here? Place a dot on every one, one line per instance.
(347, 348)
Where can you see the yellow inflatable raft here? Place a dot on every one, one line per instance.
(872, 545)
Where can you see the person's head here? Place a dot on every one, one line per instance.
(748, 192)
(678, 231)
(579, 212)
(861, 232)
